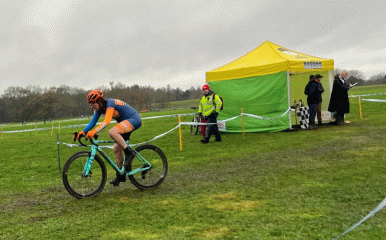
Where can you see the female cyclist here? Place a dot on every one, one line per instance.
(128, 120)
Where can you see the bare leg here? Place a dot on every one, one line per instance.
(119, 146)
(118, 154)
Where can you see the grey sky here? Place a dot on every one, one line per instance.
(90, 43)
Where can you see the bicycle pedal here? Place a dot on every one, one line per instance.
(143, 173)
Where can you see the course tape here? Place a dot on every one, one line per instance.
(374, 100)
(82, 125)
(36, 123)
(365, 95)
(263, 118)
(374, 211)
(84, 118)
(232, 118)
(46, 128)
(174, 115)
(164, 116)
(131, 145)
(195, 124)
(181, 123)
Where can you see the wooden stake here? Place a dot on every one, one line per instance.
(360, 107)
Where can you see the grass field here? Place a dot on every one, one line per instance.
(286, 185)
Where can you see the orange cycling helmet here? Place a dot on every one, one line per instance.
(94, 96)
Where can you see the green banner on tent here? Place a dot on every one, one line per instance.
(265, 96)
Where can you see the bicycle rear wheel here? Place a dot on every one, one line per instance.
(194, 128)
(152, 177)
(76, 183)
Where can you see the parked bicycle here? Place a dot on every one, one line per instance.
(84, 173)
(195, 128)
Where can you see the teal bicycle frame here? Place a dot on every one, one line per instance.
(96, 148)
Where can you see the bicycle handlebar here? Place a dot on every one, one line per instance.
(92, 141)
(83, 136)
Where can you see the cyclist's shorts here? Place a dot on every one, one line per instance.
(129, 125)
(126, 136)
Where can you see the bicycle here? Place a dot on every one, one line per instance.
(194, 128)
(84, 173)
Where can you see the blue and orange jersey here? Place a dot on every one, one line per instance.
(115, 109)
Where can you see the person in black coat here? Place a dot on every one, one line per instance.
(339, 103)
(318, 78)
(313, 98)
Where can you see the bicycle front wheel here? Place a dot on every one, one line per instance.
(79, 185)
(194, 128)
(156, 174)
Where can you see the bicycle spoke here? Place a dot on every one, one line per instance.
(79, 185)
(155, 175)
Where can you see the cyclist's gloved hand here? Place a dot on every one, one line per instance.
(91, 134)
(79, 135)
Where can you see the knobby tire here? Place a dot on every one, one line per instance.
(78, 185)
(156, 174)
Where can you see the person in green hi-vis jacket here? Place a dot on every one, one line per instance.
(210, 105)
